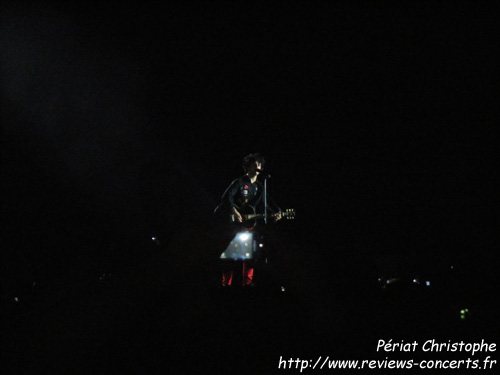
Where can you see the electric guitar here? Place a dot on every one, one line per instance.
(250, 216)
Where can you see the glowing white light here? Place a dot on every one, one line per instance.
(247, 254)
(244, 236)
(428, 283)
(153, 238)
(283, 289)
(261, 245)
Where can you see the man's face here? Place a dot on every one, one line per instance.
(254, 168)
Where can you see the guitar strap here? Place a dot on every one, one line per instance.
(223, 198)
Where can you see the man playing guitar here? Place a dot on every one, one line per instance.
(246, 193)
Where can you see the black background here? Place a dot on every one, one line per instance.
(123, 121)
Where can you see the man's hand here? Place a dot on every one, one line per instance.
(237, 215)
(277, 216)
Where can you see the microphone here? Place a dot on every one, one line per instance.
(265, 175)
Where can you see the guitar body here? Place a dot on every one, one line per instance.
(249, 215)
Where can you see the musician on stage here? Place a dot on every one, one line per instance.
(244, 192)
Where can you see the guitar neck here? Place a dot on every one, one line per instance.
(288, 213)
(257, 216)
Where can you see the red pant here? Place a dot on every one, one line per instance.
(246, 279)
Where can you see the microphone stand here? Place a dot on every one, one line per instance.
(265, 208)
(265, 200)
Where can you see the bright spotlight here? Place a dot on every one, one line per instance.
(244, 236)
(242, 247)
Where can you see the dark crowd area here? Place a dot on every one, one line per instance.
(124, 122)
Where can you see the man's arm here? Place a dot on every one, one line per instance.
(231, 194)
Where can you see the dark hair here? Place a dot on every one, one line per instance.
(249, 160)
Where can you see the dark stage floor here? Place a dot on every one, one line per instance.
(167, 313)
